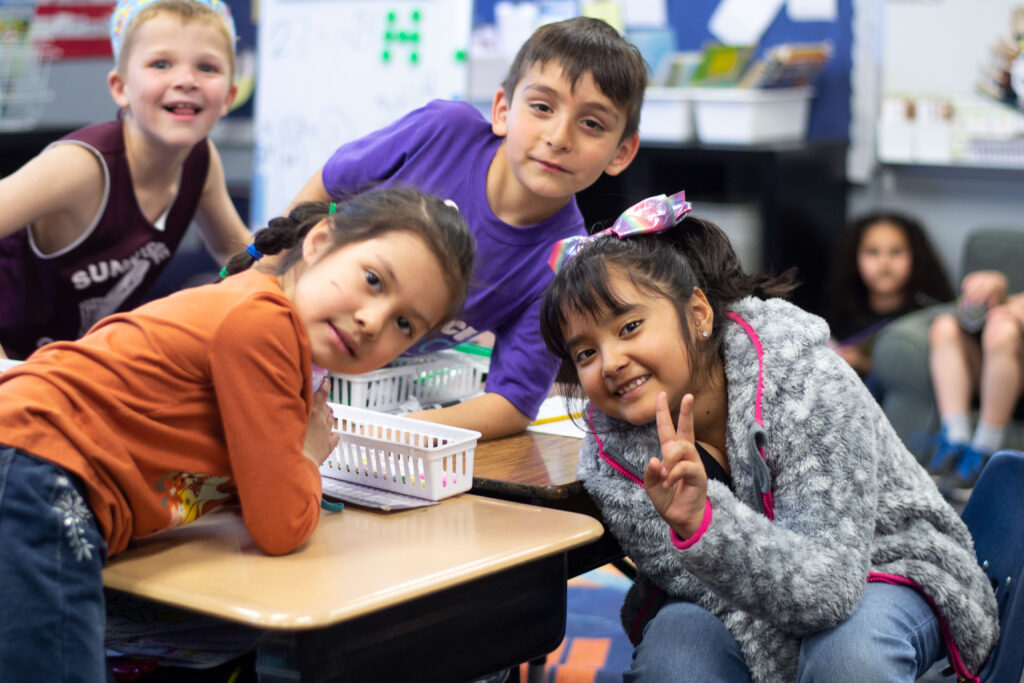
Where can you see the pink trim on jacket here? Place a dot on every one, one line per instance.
(951, 648)
(600, 451)
(766, 497)
(705, 522)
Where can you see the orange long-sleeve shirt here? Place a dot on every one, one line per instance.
(170, 410)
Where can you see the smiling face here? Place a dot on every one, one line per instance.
(559, 138)
(625, 359)
(175, 83)
(884, 260)
(366, 302)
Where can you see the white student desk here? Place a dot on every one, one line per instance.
(441, 593)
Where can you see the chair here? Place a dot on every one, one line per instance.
(900, 352)
(995, 516)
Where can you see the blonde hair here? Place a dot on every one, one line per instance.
(187, 11)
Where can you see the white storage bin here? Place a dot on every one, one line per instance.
(435, 378)
(667, 115)
(748, 116)
(399, 454)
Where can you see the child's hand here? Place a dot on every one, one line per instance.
(677, 484)
(320, 440)
(984, 288)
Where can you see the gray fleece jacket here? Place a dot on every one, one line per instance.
(849, 499)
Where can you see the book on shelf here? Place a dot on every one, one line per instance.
(788, 65)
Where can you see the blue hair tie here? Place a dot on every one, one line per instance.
(254, 252)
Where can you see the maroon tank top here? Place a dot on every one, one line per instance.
(110, 268)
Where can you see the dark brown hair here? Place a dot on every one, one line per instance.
(368, 215)
(585, 45)
(693, 254)
(928, 282)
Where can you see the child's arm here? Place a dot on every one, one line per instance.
(677, 484)
(221, 227)
(58, 192)
(491, 414)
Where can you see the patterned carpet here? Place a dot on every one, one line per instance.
(595, 649)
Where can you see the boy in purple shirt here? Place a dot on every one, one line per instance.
(568, 110)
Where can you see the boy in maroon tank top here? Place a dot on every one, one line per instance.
(91, 222)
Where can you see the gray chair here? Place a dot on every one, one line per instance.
(900, 353)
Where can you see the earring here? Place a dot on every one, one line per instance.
(704, 333)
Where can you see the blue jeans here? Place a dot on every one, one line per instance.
(52, 554)
(893, 635)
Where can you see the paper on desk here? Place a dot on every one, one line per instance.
(369, 497)
(554, 418)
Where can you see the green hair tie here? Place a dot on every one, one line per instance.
(333, 208)
(224, 272)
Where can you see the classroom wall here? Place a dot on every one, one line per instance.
(936, 48)
(830, 115)
(951, 33)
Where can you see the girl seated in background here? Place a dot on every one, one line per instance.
(780, 528)
(976, 351)
(162, 414)
(886, 267)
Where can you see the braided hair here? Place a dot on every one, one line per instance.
(366, 216)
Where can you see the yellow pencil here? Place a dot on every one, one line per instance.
(556, 418)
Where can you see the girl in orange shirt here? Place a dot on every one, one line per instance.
(159, 415)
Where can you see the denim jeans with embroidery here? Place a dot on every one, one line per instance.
(51, 584)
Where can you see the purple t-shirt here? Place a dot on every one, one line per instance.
(446, 148)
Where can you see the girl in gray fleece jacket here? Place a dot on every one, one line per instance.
(780, 528)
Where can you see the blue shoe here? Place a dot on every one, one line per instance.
(957, 484)
(946, 456)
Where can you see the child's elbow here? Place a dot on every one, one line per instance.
(284, 537)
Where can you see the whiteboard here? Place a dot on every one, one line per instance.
(938, 46)
(331, 71)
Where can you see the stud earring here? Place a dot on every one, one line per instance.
(704, 333)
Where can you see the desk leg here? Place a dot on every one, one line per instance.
(466, 631)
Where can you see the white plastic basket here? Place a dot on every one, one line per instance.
(435, 378)
(399, 454)
(24, 84)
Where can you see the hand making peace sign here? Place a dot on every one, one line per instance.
(677, 484)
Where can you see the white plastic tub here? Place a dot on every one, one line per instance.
(667, 115)
(748, 116)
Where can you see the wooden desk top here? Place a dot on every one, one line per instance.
(528, 465)
(356, 562)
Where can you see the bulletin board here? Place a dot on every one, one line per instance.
(331, 71)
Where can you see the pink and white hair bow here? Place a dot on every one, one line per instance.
(652, 215)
